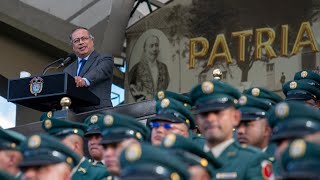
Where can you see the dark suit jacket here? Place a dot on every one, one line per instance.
(98, 70)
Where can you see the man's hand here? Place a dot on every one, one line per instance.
(79, 81)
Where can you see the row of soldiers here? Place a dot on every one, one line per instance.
(250, 135)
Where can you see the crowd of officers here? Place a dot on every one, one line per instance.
(213, 132)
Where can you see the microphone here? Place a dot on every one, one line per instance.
(63, 61)
(71, 57)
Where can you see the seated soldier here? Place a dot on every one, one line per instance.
(143, 161)
(94, 136)
(118, 132)
(71, 134)
(201, 165)
(10, 155)
(171, 117)
(45, 158)
(215, 103)
(185, 100)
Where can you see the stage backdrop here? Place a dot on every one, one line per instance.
(253, 43)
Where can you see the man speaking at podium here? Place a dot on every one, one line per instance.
(91, 69)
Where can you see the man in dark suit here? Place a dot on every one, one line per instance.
(91, 69)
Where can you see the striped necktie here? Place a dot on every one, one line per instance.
(82, 63)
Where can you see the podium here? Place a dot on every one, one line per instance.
(44, 93)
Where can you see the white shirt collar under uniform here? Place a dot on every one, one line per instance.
(218, 149)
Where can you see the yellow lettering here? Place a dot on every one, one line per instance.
(266, 45)
(193, 53)
(305, 38)
(242, 42)
(220, 42)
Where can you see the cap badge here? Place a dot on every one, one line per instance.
(160, 95)
(34, 141)
(282, 110)
(47, 124)
(138, 135)
(255, 92)
(297, 148)
(49, 114)
(133, 152)
(243, 100)
(94, 119)
(204, 162)
(165, 103)
(169, 140)
(293, 85)
(175, 176)
(304, 74)
(69, 160)
(207, 87)
(108, 120)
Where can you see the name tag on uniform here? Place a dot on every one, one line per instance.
(226, 175)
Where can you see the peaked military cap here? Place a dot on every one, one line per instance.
(62, 128)
(303, 89)
(213, 96)
(301, 160)
(46, 115)
(264, 94)
(253, 108)
(307, 74)
(95, 124)
(42, 149)
(183, 98)
(293, 119)
(190, 153)
(171, 110)
(143, 161)
(118, 127)
(10, 140)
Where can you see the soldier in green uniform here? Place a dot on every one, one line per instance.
(201, 165)
(305, 87)
(193, 134)
(93, 135)
(45, 158)
(171, 117)
(291, 120)
(10, 155)
(301, 161)
(71, 134)
(217, 116)
(143, 161)
(118, 132)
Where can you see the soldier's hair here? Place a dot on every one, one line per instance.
(77, 28)
(145, 41)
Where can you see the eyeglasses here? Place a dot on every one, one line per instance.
(77, 40)
(158, 124)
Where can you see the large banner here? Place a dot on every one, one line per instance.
(253, 43)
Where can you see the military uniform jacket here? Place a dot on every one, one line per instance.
(247, 163)
(90, 171)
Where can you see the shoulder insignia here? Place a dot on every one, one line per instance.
(266, 169)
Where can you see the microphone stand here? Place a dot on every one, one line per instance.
(49, 66)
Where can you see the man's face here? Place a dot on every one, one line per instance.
(253, 133)
(49, 172)
(94, 147)
(217, 126)
(111, 155)
(82, 44)
(4, 160)
(152, 48)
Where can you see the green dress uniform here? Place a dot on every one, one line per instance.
(244, 162)
(239, 162)
(88, 170)
(61, 129)
(6, 176)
